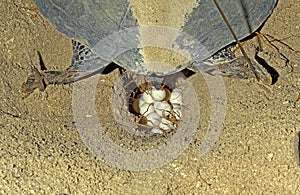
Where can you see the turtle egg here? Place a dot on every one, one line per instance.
(177, 111)
(176, 96)
(153, 119)
(158, 94)
(146, 108)
(156, 130)
(147, 97)
(162, 108)
(166, 124)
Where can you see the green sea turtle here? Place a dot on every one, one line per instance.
(151, 37)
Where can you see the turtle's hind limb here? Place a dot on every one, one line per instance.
(40, 80)
(237, 68)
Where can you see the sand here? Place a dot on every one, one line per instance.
(42, 152)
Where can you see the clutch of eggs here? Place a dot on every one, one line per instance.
(160, 109)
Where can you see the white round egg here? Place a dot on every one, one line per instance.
(158, 94)
(156, 130)
(147, 97)
(166, 124)
(162, 108)
(177, 111)
(176, 96)
(153, 119)
(146, 109)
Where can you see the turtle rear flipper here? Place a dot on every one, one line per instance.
(83, 59)
(40, 80)
(235, 68)
(239, 68)
(34, 80)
